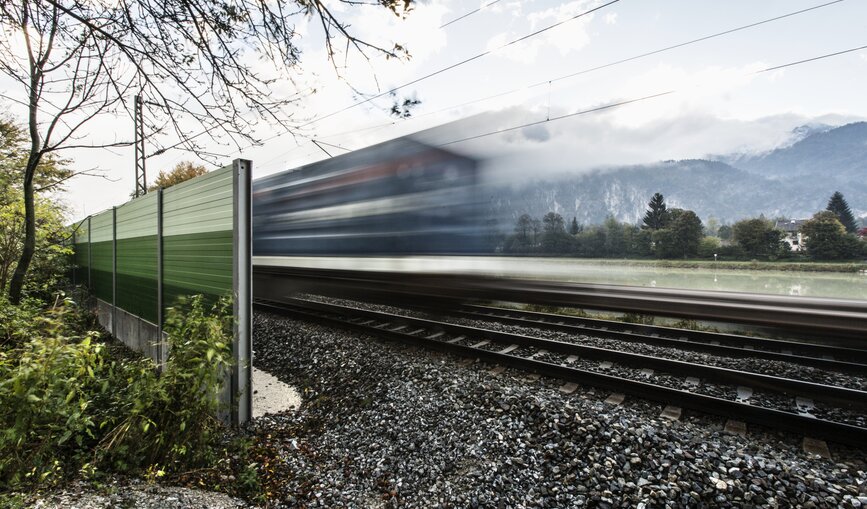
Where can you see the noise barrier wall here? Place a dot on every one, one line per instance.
(193, 238)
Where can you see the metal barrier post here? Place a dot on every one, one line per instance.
(162, 350)
(242, 382)
(114, 271)
(89, 258)
(74, 259)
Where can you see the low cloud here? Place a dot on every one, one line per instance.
(592, 142)
(536, 133)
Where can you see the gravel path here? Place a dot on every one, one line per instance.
(384, 425)
(136, 494)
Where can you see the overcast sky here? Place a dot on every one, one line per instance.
(721, 105)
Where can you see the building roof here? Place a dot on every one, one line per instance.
(790, 226)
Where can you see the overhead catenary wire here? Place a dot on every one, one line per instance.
(440, 71)
(548, 82)
(599, 67)
(455, 20)
(687, 43)
(206, 131)
(527, 87)
(641, 99)
(450, 67)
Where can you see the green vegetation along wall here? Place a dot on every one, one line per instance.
(192, 238)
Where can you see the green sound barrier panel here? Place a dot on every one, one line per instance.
(137, 261)
(80, 253)
(101, 255)
(198, 237)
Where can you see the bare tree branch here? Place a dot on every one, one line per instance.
(207, 64)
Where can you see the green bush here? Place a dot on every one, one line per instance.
(67, 406)
(49, 380)
(170, 419)
(708, 247)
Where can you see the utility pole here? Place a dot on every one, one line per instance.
(141, 181)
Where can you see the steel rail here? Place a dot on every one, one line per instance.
(840, 322)
(731, 345)
(820, 392)
(772, 418)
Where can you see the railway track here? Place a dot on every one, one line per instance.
(644, 376)
(835, 321)
(828, 357)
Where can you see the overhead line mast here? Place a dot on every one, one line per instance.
(141, 181)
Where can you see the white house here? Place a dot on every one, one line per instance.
(792, 231)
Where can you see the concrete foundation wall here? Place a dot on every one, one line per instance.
(136, 333)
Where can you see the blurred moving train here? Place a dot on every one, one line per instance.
(379, 224)
(400, 197)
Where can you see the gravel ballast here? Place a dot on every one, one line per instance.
(385, 425)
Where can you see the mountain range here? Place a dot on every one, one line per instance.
(794, 180)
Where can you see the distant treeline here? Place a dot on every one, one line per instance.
(678, 233)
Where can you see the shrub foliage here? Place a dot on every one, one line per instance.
(67, 405)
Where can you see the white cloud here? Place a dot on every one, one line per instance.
(565, 39)
(693, 89)
(611, 18)
(596, 140)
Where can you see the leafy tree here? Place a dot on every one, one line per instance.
(206, 67)
(183, 171)
(712, 226)
(641, 242)
(758, 237)
(553, 223)
(680, 237)
(725, 232)
(49, 258)
(616, 242)
(535, 230)
(574, 228)
(554, 236)
(590, 243)
(826, 238)
(51, 174)
(837, 204)
(708, 246)
(523, 228)
(656, 215)
(525, 237)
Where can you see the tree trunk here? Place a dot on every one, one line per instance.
(16, 284)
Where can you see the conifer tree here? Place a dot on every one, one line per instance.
(837, 204)
(656, 215)
(573, 228)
